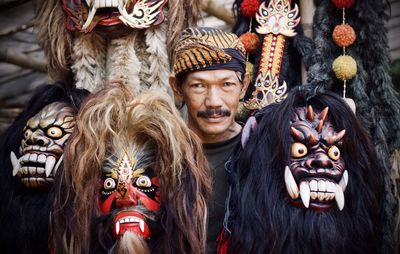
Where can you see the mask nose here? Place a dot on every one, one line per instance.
(125, 196)
(37, 139)
(321, 160)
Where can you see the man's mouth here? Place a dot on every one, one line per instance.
(214, 113)
(215, 116)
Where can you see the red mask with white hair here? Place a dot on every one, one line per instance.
(129, 192)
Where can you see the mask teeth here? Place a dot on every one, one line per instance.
(50, 162)
(321, 190)
(105, 3)
(305, 193)
(92, 12)
(16, 163)
(291, 184)
(117, 227)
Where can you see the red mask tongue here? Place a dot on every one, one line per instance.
(101, 16)
(99, 19)
(108, 19)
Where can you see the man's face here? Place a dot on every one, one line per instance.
(212, 98)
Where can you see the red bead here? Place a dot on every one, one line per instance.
(343, 3)
(250, 8)
(344, 35)
(250, 41)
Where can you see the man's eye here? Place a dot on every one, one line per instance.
(197, 85)
(229, 84)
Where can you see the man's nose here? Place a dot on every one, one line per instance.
(126, 196)
(214, 98)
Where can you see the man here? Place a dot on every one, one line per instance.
(210, 79)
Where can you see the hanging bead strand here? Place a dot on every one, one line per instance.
(344, 66)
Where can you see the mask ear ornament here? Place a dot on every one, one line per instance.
(250, 126)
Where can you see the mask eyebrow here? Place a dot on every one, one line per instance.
(47, 122)
(333, 139)
(312, 139)
(296, 134)
(300, 136)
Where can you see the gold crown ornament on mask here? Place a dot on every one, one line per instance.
(276, 22)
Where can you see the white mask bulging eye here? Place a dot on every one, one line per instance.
(334, 153)
(109, 184)
(143, 181)
(298, 150)
(55, 132)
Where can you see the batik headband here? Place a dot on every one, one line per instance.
(208, 49)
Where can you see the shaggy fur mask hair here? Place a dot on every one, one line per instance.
(24, 212)
(150, 132)
(140, 58)
(377, 103)
(265, 218)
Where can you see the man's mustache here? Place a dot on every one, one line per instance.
(213, 112)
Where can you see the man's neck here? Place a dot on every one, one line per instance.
(230, 133)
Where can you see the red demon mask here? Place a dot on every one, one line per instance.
(129, 192)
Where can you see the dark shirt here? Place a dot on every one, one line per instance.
(217, 154)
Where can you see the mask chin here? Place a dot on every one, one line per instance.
(130, 243)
